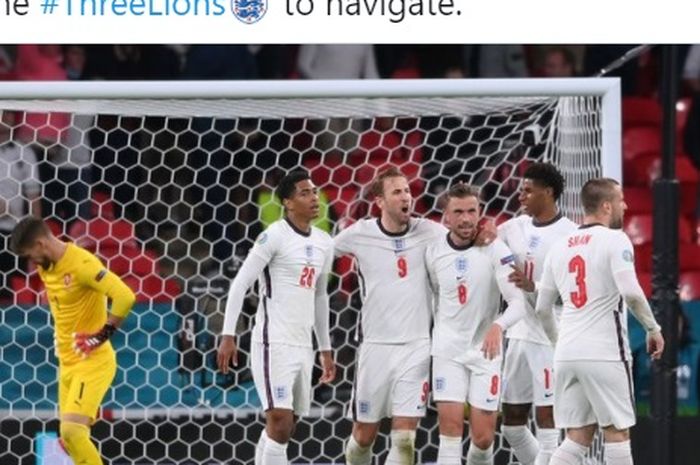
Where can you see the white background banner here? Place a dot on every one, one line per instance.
(347, 21)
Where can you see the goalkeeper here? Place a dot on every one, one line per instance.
(77, 287)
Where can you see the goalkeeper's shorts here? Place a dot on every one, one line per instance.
(83, 385)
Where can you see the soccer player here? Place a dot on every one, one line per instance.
(77, 286)
(527, 374)
(592, 269)
(466, 281)
(291, 260)
(393, 361)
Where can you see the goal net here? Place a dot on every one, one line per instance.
(170, 183)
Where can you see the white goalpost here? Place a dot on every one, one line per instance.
(170, 182)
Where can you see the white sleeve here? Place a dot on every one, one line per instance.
(251, 269)
(621, 253)
(258, 258)
(322, 310)
(438, 229)
(342, 243)
(545, 312)
(547, 295)
(502, 258)
(516, 303)
(430, 269)
(628, 285)
(502, 231)
(266, 244)
(432, 278)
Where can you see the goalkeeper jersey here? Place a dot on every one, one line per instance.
(77, 287)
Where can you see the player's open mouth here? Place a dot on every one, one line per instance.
(404, 209)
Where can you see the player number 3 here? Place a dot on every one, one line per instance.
(578, 266)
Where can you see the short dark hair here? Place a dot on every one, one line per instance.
(377, 188)
(26, 233)
(595, 192)
(460, 190)
(546, 175)
(288, 184)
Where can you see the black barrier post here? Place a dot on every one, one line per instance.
(665, 301)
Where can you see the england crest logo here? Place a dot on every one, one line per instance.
(249, 11)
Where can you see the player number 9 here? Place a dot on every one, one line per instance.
(402, 266)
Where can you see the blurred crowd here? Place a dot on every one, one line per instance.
(127, 62)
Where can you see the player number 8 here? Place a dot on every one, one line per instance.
(462, 293)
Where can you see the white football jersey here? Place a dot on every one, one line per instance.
(581, 268)
(530, 243)
(287, 285)
(396, 299)
(466, 282)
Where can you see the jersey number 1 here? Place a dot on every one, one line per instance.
(307, 277)
(580, 297)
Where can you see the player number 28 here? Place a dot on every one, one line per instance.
(578, 266)
(307, 276)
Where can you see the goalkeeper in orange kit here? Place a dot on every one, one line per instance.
(77, 285)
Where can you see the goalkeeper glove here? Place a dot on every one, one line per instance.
(84, 343)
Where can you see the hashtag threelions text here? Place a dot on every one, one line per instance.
(47, 6)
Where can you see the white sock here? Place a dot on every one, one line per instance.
(356, 454)
(523, 443)
(402, 448)
(274, 453)
(618, 453)
(260, 447)
(549, 440)
(450, 451)
(476, 456)
(568, 453)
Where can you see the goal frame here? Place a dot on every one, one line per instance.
(609, 89)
